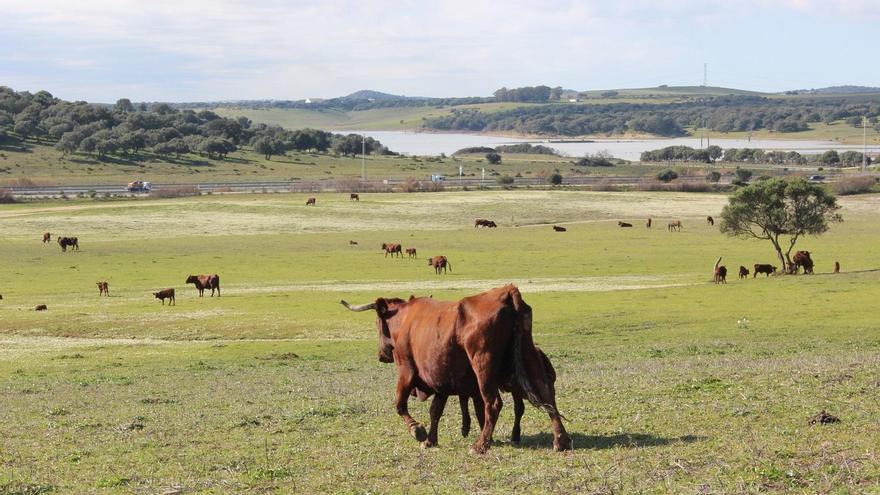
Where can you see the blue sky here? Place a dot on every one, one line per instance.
(190, 50)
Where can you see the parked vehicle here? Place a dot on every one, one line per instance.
(140, 186)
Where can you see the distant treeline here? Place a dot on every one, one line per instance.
(527, 148)
(751, 155)
(722, 114)
(126, 129)
(345, 103)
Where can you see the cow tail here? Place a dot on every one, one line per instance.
(520, 332)
(449, 265)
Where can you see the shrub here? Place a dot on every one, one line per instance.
(7, 197)
(554, 179)
(667, 175)
(743, 175)
(174, 192)
(493, 158)
(854, 185)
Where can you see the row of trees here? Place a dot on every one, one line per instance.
(752, 155)
(723, 114)
(127, 129)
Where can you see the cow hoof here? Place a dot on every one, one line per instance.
(465, 431)
(427, 444)
(478, 449)
(562, 444)
(419, 433)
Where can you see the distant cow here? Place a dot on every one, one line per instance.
(766, 269)
(710, 220)
(411, 252)
(743, 272)
(352, 243)
(648, 223)
(557, 228)
(803, 260)
(482, 222)
(103, 289)
(674, 225)
(47, 237)
(68, 242)
(41, 307)
(720, 273)
(203, 282)
(310, 201)
(392, 249)
(439, 263)
(624, 224)
(836, 269)
(166, 294)
(354, 197)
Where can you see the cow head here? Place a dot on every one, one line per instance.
(156, 294)
(192, 279)
(384, 246)
(385, 309)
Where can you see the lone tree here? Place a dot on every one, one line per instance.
(493, 158)
(775, 207)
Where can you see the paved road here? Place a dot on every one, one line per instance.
(329, 185)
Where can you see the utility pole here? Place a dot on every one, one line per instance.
(705, 74)
(864, 144)
(363, 158)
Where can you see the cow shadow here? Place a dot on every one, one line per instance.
(579, 441)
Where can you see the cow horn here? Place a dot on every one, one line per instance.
(362, 307)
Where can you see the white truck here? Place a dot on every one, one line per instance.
(140, 186)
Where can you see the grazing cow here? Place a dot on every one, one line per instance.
(802, 259)
(354, 197)
(41, 307)
(482, 222)
(166, 294)
(648, 223)
(310, 201)
(103, 289)
(439, 263)
(47, 237)
(674, 225)
(71, 242)
(764, 268)
(352, 243)
(411, 252)
(710, 220)
(557, 228)
(836, 269)
(743, 272)
(721, 275)
(470, 348)
(203, 282)
(624, 224)
(392, 249)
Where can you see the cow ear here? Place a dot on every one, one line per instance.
(383, 310)
(411, 297)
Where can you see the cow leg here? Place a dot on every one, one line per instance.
(479, 410)
(491, 403)
(519, 408)
(438, 404)
(465, 416)
(404, 388)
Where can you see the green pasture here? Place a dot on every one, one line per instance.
(671, 384)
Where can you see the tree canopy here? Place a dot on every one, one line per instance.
(781, 212)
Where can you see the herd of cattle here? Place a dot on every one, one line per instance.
(473, 348)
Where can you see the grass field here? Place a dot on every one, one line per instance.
(670, 383)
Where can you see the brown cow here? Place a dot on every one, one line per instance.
(836, 269)
(166, 294)
(41, 307)
(710, 220)
(71, 242)
(720, 274)
(743, 272)
(802, 259)
(764, 268)
(648, 223)
(391, 249)
(471, 347)
(411, 252)
(674, 225)
(47, 237)
(310, 201)
(624, 224)
(354, 197)
(482, 222)
(203, 282)
(103, 289)
(352, 243)
(439, 263)
(557, 228)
